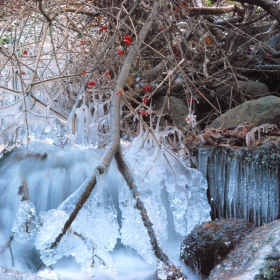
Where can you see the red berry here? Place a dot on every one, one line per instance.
(126, 42)
(147, 88)
(146, 100)
(144, 112)
(128, 38)
(91, 84)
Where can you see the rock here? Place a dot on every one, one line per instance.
(175, 111)
(229, 94)
(256, 257)
(258, 112)
(247, 90)
(254, 90)
(209, 243)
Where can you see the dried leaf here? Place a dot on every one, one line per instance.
(208, 40)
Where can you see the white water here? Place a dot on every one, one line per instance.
(108, 224)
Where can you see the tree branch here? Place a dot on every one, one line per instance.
(75, 212)
(175, 273)
(43, 12)
(114, 141)
(270, 6)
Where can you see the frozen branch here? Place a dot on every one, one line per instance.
(174, 272)
(15, 274)
(75, 212)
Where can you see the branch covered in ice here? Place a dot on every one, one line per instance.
(265, 128)
(15, 274)
(174, 272)
(75, 212)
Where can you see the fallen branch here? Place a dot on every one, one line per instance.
(272, 7)
(114, 141)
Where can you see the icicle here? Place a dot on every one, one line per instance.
(203, 154)
(250, 136)
(245, 184)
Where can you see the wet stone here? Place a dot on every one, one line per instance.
(256, 257)
(209, 243)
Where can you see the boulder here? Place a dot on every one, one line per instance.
(209, 243)
(256, 257)
(257, 112)
(247, 90)
(254, 90)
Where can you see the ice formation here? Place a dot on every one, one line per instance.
(53, 174)
(243, 183)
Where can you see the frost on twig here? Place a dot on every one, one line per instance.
(265, 128)
(6, 273)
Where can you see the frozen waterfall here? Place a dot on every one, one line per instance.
(243, 182)
(109, 227)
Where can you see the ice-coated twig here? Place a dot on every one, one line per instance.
(174, 272)
(76, 210)
(250, 136)
(15, 274)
